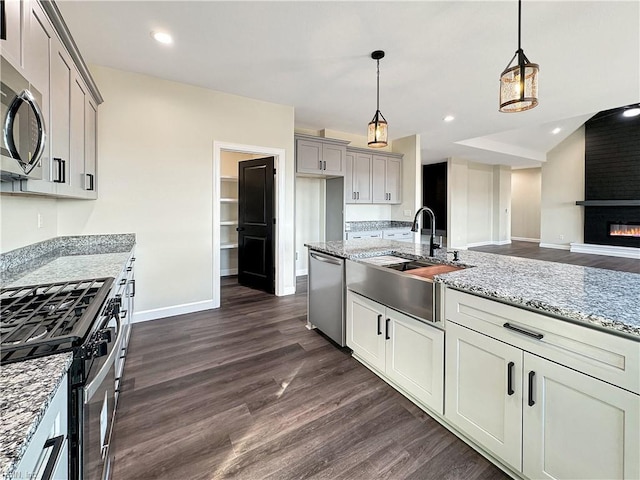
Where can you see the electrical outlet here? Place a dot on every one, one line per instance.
(407, 213)
(40, 221)
(561, 237)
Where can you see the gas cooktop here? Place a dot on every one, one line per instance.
(39, 320)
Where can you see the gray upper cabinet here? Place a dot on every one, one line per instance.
(387, 179)
(373, 177)
(40, 46)
(320, 156)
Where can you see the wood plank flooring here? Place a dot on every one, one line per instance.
(247, 392)
(532, 250)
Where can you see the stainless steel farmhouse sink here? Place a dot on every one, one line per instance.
(403, 284)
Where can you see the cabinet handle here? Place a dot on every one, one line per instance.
(61, 170)
(353, 195)
(386, 329)
(320, 162)
(133, 290)
(379, 326)
(90, 178)
(537, 336)
(56, 443)
(510, 390)
(123, 281)
(123, 313)
(358, 197)
(325, 165)
(532, 376)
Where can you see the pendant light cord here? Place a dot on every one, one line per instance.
(519, 23)
(378, 88)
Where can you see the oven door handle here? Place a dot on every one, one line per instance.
(90, 388)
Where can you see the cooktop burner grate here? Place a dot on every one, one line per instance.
(38, 320)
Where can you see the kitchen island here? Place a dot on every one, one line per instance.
(34, 392)
(534, 364)
(593, 297)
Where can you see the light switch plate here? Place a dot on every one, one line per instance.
(407, 213)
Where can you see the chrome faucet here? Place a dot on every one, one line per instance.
(432, 218)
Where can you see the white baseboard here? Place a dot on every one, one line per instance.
(287, 291)
(557, 246)
(609, 250)
(525, 239)
(490, 242)
(163, 312)
(302, 272)
(228, 271)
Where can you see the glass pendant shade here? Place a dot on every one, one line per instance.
(518, 94)
(377, 131)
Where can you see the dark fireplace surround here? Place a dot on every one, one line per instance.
(612, 179)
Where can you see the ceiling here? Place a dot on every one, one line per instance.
(442, 58)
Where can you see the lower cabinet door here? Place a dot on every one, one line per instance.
(415, 358)
(365, 330)
(577, 426)
(483, 391)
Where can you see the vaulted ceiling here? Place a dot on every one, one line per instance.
(442, 58)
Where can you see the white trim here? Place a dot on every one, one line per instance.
(609, 250)
(164, 312)
(525, 239)
(490, 242)
(557, 246)
(302, 272)
(287, 291)
(225, 272)
(279, 234)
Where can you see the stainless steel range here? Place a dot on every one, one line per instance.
(79, 317)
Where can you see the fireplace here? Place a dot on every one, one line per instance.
(624, 229)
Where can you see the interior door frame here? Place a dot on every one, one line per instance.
(279, 189)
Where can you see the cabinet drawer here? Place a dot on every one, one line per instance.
(367, 234)
(608, 357)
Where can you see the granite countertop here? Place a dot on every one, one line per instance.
(597, 297)
(27, 389)
(365, 226)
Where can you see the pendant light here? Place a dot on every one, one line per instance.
(519, 84)
(377, 132)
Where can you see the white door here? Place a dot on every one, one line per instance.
(483, 391)
(365, 330)
(578, 427)
(415, 359)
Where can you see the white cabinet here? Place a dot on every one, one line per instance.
(358, 176)
(12, 47)
(320, 156)
(398, 234)
(406, 352)
(364, 234)
(387, 178)
(39, 43)
(373, 177)
(478, 399)
(48, 445)
(509, 393)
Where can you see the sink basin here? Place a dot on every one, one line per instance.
(432, 270)
(409, 265)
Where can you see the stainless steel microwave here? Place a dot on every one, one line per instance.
(23, 127)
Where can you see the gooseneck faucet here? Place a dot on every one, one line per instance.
(432, 218)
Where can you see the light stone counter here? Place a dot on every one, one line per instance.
(605, 299)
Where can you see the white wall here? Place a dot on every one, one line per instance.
(525, 204)
(19, 220)
(411, 177)
(155, 140)
(310, 220)
(562, 184)
(478, 204)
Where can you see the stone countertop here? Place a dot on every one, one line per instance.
(365, 226)
(597, 297)
(27, 389)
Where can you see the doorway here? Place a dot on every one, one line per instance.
(434, 196)
(225, 242)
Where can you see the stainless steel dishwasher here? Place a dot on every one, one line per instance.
(325, 296)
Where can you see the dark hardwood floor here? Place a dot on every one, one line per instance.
(246, 391)
(532, 250)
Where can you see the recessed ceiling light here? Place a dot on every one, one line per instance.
(162, 37)
(631, 112)
(449, 118)
(556, 130)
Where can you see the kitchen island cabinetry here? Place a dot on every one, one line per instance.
(406, 352)
(320, 156)
(540, 417)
